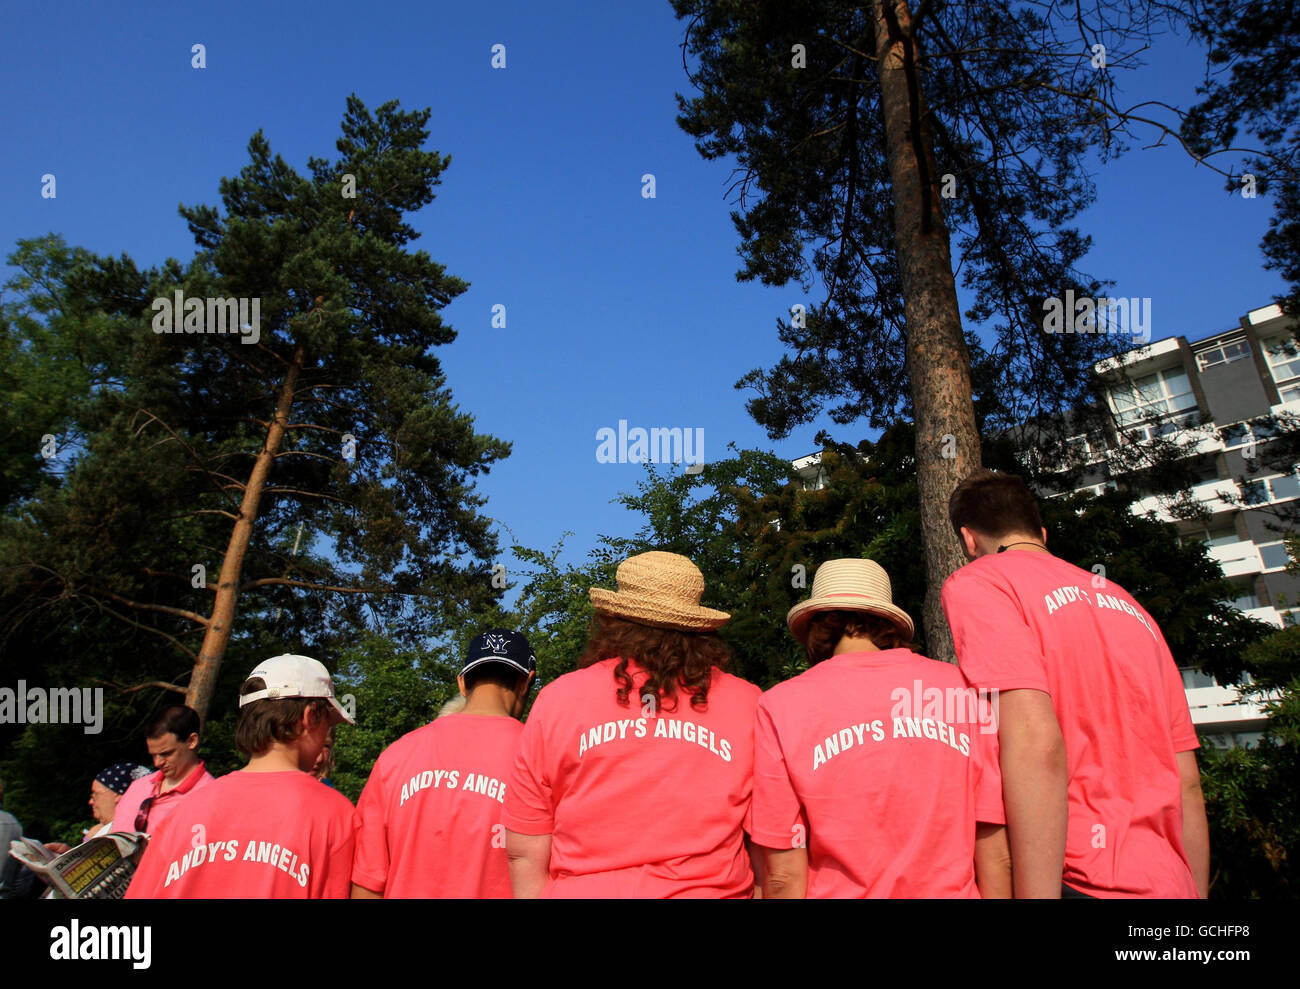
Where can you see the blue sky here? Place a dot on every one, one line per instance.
(618, 307)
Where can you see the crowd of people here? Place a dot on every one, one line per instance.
(1055, 760)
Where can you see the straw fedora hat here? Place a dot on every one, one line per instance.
(849, 585)
(659, 589)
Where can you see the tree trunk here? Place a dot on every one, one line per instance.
(204, 679)
(947, 443)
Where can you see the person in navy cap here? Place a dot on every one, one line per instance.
(429, 818)
(106, 790)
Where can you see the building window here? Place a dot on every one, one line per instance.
(1212, 537)
(1247, 602)
(1086, 449)
(1154, 396)
(1195, 678)
(1238, 434)
(1274, 555)
(1286, 486)
(1223, 354)
(1098, 489)
(1225, 740)
(1266, 489)
(1284, 362)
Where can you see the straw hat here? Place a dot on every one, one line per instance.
(659, 589)
(849, 585)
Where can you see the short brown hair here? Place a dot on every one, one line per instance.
(826, 628)
(675, 659)
(994, 505)
(266, 721)
(178, 719)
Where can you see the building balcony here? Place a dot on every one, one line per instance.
(1266, 614)
(1237, 559)
(1223, 707)
(1209, 494)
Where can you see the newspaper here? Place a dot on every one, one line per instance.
(97, 869)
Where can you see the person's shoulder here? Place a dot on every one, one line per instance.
(780, 694)
(934, 669)
(579, 681)
(971, 578)
(328, 797)
(460, 729)
(144, 784)
(305, 788)
(403, 745)
(737, 685)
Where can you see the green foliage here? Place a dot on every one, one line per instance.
(1251, 85)
(1015, 109)
(396, 691)
(1251, 796)
(158, 434)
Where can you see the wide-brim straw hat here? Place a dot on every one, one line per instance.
(849, 585)
(659, 589)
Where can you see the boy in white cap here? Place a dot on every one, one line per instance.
(875, 773)
(268, 831)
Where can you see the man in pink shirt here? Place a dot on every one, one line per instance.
(173, 742)
(429, 819)
(1099, 776)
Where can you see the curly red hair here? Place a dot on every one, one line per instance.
(674, 659)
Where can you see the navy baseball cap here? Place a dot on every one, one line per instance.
(500, 645)
(121, 775)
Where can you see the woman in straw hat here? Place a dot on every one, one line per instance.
(634, 772)
(872, 768)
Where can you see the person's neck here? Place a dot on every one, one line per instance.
(172, 784)
(849, 643)
(490, 700)
(1016, 542)
(279, 758)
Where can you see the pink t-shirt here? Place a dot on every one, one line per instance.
(429, 818)
(877, 764)
(640, 801)
(252, 836)
(1026, 620)
(161, 804)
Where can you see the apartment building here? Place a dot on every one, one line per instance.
(1220, 398)
(1223, 399)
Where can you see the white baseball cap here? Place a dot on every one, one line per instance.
(294, 676)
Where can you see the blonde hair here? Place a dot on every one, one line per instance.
(453, 706)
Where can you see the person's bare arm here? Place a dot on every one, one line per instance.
(1196, 828)
(756, 862)
(1034, 784)
(992, 861)
(785, 873)
(361, 893)
(530, 863)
